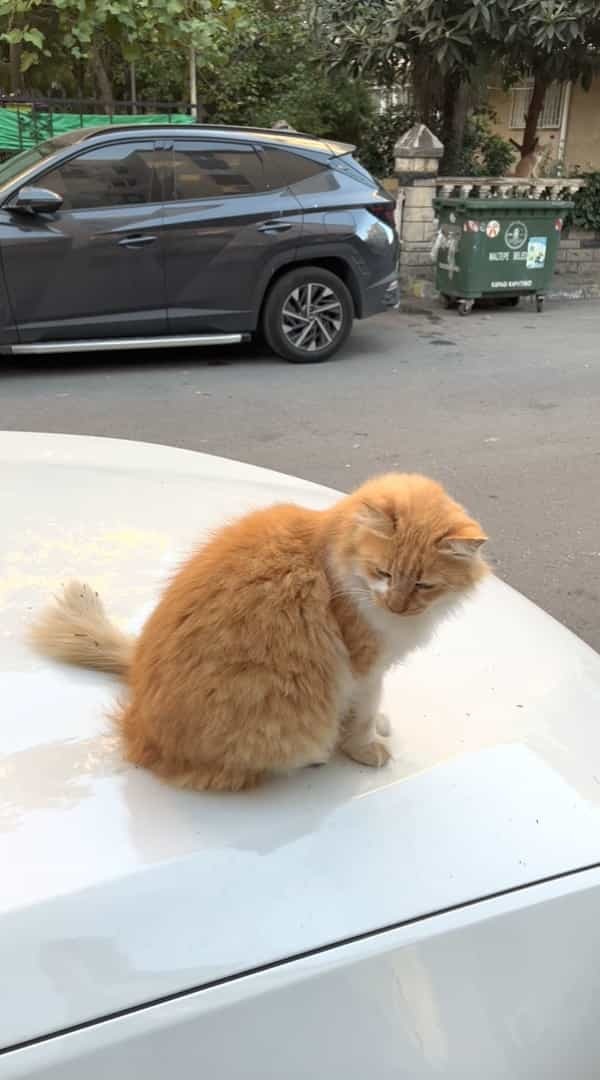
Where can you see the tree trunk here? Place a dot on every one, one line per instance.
(424, 90)
(103, 81)
(536, 105)
(459, 120)
(454, 116)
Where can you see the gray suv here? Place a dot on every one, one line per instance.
(127, 237)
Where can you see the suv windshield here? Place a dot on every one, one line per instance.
(20, 164)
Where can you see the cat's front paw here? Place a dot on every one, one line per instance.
(374, 753)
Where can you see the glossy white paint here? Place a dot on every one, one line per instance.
(121, 890)
(503, 990)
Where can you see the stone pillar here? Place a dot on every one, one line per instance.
(417, 160)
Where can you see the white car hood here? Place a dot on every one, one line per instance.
(117, 890)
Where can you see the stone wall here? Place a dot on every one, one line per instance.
(579, 253)
(417, 156)
(418, 230)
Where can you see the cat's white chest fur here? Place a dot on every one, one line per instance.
(402, 634)
(399, 635)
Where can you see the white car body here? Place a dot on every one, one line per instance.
(439, 917)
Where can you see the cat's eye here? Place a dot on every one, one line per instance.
(424, 585)
(383, 574)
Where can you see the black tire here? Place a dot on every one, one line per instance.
(337, 325)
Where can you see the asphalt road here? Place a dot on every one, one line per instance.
(503, 407)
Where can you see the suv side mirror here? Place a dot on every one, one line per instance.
(37, 200)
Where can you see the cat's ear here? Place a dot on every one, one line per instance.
(376, 520)
(463, 547)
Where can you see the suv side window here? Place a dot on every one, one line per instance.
(283, 168)
(203, 170)
(118, 174)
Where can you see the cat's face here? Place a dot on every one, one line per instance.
(410, 545)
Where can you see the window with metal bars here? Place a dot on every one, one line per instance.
(551, 114)
(395, 97)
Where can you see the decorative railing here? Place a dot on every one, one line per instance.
(507, 187)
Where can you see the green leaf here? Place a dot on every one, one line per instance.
(28, 59)
(461, 39)
(34, 37)
(13, 37)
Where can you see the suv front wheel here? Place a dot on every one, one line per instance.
(307, 315)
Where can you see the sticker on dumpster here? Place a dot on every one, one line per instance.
(515, 235)
(536, 252)
(492, 229)
(445, 248)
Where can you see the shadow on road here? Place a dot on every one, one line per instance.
(98, 363)
(254, 352)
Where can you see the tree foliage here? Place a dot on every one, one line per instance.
(270, 69)
(257, 60)
(92, 31)
(444, 45)
(35, 23)
(262, 60)
(586, 211)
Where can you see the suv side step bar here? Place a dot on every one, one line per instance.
(112, 344)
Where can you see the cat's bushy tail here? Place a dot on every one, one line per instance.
(75, 629)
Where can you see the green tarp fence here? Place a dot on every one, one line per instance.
(20, 129)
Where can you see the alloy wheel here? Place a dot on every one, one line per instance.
(312, 317)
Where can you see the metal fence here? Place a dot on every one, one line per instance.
(84, 105)
(25, 121)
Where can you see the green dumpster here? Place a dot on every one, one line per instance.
(498, 248)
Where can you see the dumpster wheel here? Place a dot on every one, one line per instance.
(539, 303)
(465, 306)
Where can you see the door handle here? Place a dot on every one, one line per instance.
(136, 241)
(274, 226)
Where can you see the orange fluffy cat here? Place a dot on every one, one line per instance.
(268, 648)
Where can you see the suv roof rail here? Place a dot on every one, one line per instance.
(109, 128)
(181, 129)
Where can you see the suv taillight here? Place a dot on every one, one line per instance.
(385, 212)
